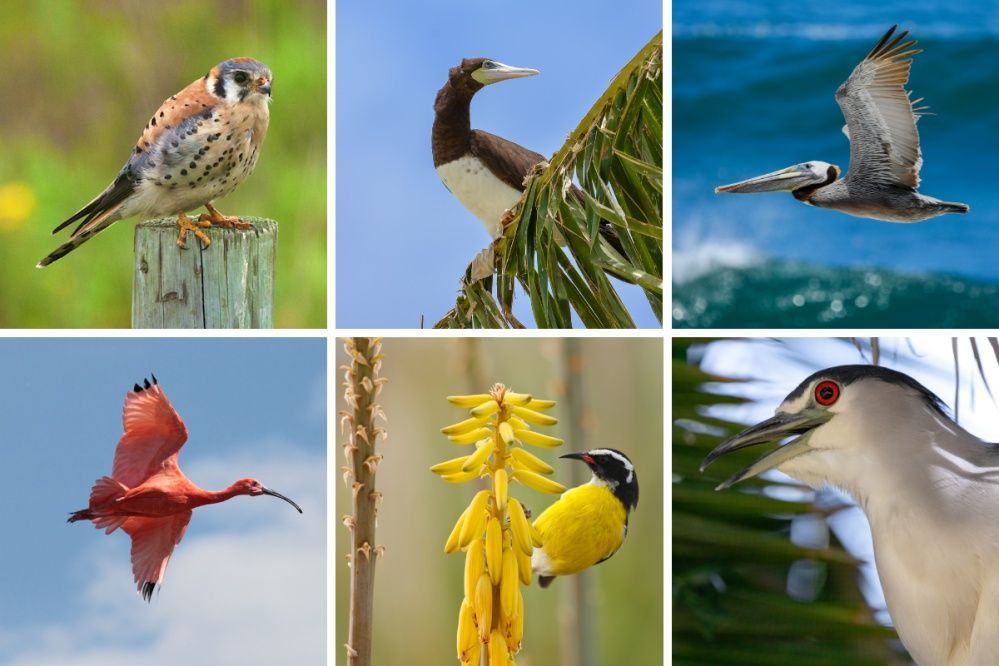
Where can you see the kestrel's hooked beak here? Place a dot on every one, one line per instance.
(274, 493)
(263, 86)
(772, 430)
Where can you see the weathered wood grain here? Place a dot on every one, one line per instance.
(228, 285)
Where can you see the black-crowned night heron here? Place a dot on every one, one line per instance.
(930, 490)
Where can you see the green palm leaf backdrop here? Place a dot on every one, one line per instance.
(616, 156)
(80, 80)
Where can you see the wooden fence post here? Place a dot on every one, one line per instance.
(228, 285)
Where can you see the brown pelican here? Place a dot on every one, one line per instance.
(884, 147)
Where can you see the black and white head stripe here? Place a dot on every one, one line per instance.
(612, 469)
(844, 375)
(620, 457)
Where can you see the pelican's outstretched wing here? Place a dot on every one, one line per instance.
(881, 124)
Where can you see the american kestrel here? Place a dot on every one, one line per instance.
(198, 146)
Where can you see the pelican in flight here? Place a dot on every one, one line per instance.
(884, 147)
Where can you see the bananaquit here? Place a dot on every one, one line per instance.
(588, 523)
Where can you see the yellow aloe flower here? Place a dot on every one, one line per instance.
(494, 530)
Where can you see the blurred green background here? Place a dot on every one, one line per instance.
(80, 80)
(417, 587)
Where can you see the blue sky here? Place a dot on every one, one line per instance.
(248, 573)
(398, 229)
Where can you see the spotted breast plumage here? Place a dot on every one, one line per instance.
(197, 147)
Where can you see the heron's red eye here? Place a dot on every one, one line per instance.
(826, 393)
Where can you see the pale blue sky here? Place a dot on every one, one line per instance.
(249, 566)
(402, 240)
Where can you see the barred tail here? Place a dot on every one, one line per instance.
(77, 240)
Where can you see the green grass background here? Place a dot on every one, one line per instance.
(418, 588)
(80, 80)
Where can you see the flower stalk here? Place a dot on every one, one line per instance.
(359, 426)
(493, 530)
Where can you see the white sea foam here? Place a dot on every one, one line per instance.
(701, 258)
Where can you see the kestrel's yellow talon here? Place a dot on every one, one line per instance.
(186, 225)
(214, 217)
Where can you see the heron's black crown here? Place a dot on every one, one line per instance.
(845, 375)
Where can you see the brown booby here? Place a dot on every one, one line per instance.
(485, 172)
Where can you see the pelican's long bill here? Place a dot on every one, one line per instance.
(773, 429)
(785, 180)
(274, 493)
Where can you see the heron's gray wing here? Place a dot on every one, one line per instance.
(884, 143)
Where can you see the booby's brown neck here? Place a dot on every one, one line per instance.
(452, 122)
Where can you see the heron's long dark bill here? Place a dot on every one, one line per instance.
(785, 180)
(771, 430)
(274, 493)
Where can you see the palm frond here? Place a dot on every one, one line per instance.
(553, 247)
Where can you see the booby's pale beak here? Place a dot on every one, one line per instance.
(772, 430)
(785, 180)
(492, 71)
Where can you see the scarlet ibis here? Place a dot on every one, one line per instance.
(147, 495)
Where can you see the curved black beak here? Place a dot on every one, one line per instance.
(274, 493)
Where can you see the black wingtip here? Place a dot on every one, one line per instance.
(147, 591)
(146, 384)
(137, 388)
(881, 42)
(154, 378)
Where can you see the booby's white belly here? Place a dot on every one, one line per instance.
(481, 192)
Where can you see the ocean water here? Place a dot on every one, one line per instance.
(753, 91)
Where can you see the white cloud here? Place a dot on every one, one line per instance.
(246, 585)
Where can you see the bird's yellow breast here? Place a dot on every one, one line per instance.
(586, 525)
